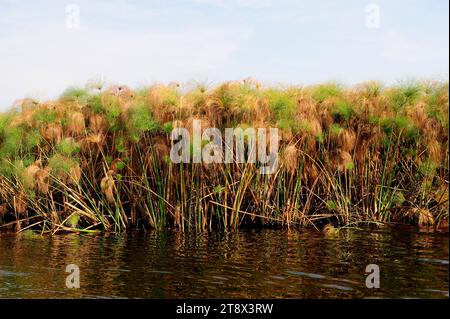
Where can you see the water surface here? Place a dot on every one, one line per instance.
(245, 264)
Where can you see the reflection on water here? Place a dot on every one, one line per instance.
(246, 264)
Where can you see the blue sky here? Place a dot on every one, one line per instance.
(285, 41)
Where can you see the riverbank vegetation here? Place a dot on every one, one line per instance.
(98, 158)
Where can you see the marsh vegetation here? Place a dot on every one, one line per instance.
(97, 159)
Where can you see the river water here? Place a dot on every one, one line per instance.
(246, 264)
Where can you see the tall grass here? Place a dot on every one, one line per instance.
(99, 159)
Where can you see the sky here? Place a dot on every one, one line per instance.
(47, 46)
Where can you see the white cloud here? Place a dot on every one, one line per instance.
(135, 43)
(397, 47)
(50, 58)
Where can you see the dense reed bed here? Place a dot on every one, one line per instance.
(98, 158)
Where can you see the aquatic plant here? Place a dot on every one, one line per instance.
(98, 158)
